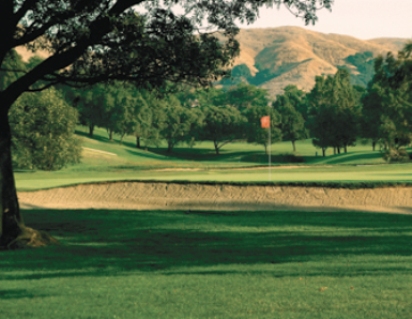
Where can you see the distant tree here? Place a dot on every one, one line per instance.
(371, 114)
(244, 96)
(43, 132)
(177, 122)
(292, 124)
(334, 112)
(150, 119)
(89, 102)
(221, 125)
(258, 135)
(298, 98)
(190, 97)
(122, 107)
(387, 105)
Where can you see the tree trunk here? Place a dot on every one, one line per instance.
(216, 147)
(13, 232)
(91, 130)
(323, 152)
(110, 135)
(11, 219)
(338, 148)
(169, 147)
(138, 142)
(346, 148)
(294, 146)
(373, 145)
(334, 150)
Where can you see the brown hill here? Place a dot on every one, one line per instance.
(293, 55)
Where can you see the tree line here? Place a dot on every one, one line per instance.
(335, 114)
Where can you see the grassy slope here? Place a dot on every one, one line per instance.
(125, 162)
(112, 264)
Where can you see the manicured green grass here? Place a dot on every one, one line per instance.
(315, 174)
(117, 264)
(202, 154)
(239, 162)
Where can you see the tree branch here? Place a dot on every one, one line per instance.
(42, 88)
(98, 29)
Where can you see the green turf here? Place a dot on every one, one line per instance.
(116, 264)
(239, 162)
(234, 154)
(400, 173)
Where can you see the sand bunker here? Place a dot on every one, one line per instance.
(174, 196)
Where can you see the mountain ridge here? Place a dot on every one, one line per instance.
(273, 58)
(277, 57)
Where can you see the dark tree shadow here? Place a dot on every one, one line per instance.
(19, 294)
(98, 242)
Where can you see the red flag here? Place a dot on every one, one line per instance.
(265, 121)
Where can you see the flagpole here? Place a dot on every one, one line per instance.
(270, 156)
(265, 124)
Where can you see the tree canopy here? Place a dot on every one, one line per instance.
(387, 105)
(292, 123)
(146, 42)
(43, 132)
(333, 112)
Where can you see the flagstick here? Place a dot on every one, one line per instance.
(270, 173)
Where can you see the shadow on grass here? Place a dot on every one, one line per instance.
(146, 154)
(350, 158)
(95, 137)
(98, 242)
(19, 294)
(199, 154)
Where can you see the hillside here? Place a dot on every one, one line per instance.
(275, 57)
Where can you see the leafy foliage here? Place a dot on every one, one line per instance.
(292, 123)
(176, 123)
(388, 104)
(43, 132)
(221, 125)
(334, 111)
(244, 96)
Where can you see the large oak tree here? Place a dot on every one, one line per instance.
(97, 40)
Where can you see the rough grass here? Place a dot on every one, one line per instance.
(114, 264)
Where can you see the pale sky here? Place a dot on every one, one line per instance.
(363, 19)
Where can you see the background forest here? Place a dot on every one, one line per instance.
(336, 113)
